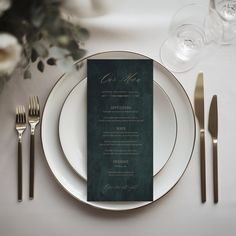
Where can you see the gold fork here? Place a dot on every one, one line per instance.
(20, 127)
(34, 117)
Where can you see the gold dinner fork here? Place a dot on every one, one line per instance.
(20, 127)
(34, 117)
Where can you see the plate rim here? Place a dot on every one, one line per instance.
(192, 114)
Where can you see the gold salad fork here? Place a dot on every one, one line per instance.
(20, 127)
(34, 117)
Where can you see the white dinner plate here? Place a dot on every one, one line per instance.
(165, 180)
(73, 128)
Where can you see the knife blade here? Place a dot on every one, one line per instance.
(199, 111)
(213, 130)
(213, 118)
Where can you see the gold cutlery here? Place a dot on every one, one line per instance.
(199, 111)
(213, 129)
(34, 117)
(20, 127)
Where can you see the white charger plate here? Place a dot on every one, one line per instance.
(165, 180)
(73, 128)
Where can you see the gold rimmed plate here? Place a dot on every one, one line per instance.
(165, 180)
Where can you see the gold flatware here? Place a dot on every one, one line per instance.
(213, 130)
(34, 117)
(199, 111)
(20, 128)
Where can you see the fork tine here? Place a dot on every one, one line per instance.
(30, 106)
(24, 116)
(35, 105)
(34, 101)
(20, 114)
(17, 115)
(38, 107)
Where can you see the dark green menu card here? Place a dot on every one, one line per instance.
(120, 130)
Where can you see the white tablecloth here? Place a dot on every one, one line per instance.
(139, 26)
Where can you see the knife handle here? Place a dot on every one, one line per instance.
(215, 170)
(203, 165)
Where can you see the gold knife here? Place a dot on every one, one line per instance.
(199, 111)
(213, 129)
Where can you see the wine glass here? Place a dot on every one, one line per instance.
(194, 31)
(227, 11)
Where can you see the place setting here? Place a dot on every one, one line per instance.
(101, 145)
(116, 117)
(118, 129)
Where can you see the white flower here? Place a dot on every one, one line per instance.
(4, 5)
(10, 53)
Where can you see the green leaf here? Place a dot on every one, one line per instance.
(40, 66)
(63, 40)
(37, 16)
(51, 61)
(74, 50)
(41, 49)
(34, 55)
(83, 34)
(27, 74)
(77, 54)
